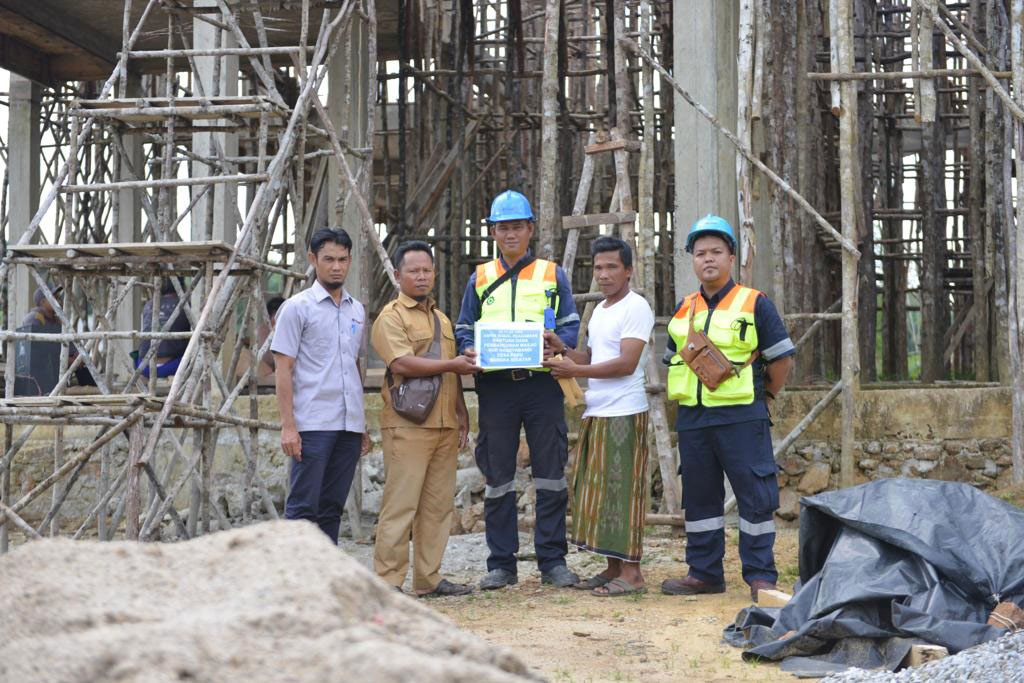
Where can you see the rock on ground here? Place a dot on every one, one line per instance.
(272, 602)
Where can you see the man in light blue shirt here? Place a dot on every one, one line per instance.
(317, 345)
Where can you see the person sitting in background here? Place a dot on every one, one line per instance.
(267, 365)
(37, 363)
(169, 351)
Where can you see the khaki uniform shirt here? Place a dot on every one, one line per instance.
(405, 327)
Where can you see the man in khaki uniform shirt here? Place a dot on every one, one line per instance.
(420, 459)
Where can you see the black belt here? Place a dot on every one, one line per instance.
(516, 375)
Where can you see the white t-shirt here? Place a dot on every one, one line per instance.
(629, 318)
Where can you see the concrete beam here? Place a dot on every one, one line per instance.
(24, 60)
(40, 14)
(24, 154)
(705, 65)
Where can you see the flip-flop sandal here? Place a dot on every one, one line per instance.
(618, 587)
(593, 582)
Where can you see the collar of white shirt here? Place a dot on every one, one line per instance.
(320, 293)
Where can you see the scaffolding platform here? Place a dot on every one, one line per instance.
(156, 109)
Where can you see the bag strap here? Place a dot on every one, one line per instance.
(506, 276)
(433, 352)
(693, 311)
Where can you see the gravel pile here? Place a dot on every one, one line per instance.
(270, 602)
(997, 661)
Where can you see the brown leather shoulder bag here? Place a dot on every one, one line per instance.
(415, 397)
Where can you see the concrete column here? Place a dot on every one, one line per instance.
(24, 154)
(129, 222)
(346, 105)
(705, 162)
(225, 196)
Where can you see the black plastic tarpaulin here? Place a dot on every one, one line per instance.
(887, 564)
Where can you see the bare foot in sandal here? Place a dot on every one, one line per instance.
(617, 587)
(593, 582)
(627, 573)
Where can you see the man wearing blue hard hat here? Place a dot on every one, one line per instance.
(729, 355)
(517, 287)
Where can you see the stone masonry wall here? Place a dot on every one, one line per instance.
(938, 432)
(954, 433)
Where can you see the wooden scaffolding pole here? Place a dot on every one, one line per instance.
(1016, 254)
(549, 150)
(849, 197)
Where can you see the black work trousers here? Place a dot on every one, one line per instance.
(506, 405)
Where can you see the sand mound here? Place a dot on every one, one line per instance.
(272, 602)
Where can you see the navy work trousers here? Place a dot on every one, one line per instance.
(321, 480)
(743, 452)
(506, 405)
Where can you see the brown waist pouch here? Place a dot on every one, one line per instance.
(706, 360)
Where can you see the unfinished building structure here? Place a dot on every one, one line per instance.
(864, 149)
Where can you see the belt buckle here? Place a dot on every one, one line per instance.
(519, 374)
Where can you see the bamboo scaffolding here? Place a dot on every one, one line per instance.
(534, 93)
(178, 409)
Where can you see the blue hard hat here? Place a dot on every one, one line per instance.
(711, 225)
(510, 206)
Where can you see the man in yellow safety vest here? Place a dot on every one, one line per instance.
(726, 430)
(517, 287)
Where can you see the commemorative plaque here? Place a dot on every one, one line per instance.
(506, 346)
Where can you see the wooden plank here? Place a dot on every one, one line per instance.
(963, 323)
(772, 598)
(202, 248)
(143, 102)
(922, 654)
(425, 183)
(591, 219)
(445, 171)
(105, 400)
(612, 145)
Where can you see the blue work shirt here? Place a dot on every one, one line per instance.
(773, 342)
(567, 319)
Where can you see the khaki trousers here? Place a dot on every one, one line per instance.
(418, 500)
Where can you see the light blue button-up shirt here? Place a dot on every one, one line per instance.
(325, 339)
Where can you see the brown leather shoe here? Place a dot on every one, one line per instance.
(758, 585)
(689, 585)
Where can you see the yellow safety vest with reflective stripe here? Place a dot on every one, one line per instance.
(519, 299)
(733, 331)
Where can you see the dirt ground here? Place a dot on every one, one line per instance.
(572, 636)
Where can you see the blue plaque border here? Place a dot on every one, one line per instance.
(533, 361)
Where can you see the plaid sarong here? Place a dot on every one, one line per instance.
(609, 486)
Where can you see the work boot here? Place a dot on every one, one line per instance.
(498, 578)
(689, 585)
(760, 585)
(560, 577)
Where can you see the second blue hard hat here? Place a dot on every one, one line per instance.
(510, 206)
(711, 225)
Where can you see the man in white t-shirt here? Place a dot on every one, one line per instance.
(609, 493)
